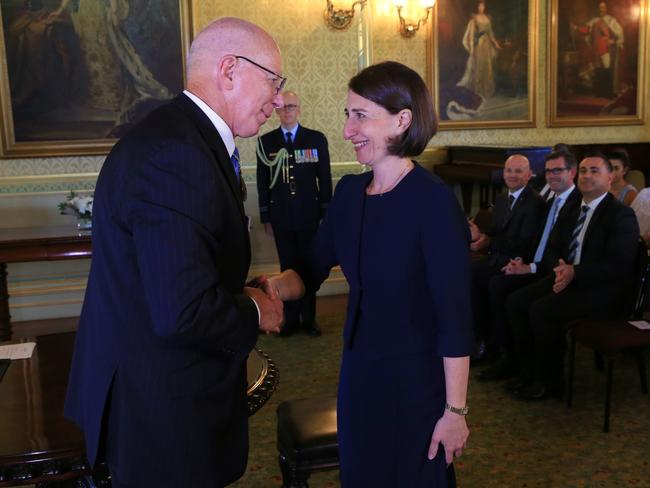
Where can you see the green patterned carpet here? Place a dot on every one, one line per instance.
(512, 444)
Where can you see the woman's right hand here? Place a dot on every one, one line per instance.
(451, 431)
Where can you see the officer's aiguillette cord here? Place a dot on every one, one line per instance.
(281, 159)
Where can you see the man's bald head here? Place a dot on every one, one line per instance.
(229, 35)
(516, 172)
(235, 67)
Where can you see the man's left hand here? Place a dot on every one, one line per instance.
(481, 243)
(564, 274)
(516, 266)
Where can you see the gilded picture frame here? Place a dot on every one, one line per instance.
(596, 69)
(77, 74)
(482, 59)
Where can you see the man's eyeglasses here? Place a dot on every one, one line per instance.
(278, 81)
(289, 107)
(555, 171)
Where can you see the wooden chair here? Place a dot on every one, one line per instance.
(610, 338)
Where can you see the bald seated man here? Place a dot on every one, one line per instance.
(158, 378)
(516, 217)
(293, 204)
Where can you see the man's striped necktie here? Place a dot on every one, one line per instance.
(575, 243)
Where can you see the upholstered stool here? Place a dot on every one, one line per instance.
(306, 439)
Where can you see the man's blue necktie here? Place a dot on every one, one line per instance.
(234, 159)
(550, 220)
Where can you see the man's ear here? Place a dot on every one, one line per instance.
(226, 71)
(404, 119)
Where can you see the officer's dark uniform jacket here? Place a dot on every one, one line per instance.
(302, 191)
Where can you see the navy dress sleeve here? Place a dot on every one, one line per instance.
(445, 246)
(322, 256)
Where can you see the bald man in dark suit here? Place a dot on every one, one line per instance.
(158, 379)
(515, 221)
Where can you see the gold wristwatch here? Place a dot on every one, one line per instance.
(459, 411)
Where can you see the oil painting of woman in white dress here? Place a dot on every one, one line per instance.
(482, 48)
(483, 61)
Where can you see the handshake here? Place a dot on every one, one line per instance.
(269, 293)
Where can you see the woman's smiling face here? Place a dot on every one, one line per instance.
(369, 127)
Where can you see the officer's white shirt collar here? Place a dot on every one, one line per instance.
(219, 124)
(293, 131)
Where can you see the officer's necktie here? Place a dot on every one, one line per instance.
(575, 243)
(234, 159)
(550, 220)
(289, 139)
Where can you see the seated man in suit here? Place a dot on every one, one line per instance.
(593, 253)
(293, 202)
(560, 171)
(515, 221)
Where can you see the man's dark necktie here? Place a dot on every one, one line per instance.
(234, 160)
(289, 142)
(573, 247)
(508, 212)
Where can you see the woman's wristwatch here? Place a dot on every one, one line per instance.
(459, 411)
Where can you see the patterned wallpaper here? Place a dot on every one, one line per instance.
(319, 61)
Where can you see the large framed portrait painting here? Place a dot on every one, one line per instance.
(596, 72)
(76, 74)
(482, 63)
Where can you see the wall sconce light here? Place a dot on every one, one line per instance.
(408, 29)
(340, 18)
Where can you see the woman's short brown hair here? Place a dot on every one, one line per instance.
(397, 87)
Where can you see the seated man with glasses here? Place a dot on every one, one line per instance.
(294, 188)
(560, 172)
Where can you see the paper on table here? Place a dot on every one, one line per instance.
(22, 350)
(640, 324)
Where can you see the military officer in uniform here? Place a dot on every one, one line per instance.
(294, 185)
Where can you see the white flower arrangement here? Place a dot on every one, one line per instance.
(80, 206)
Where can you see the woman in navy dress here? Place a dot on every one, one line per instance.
(403, 244)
